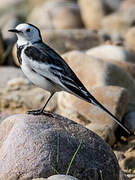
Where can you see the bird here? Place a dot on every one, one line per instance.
(45, 68)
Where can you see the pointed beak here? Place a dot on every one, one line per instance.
(14, 30)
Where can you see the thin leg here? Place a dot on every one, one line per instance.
(41, 110)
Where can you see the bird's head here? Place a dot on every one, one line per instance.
(26, 33)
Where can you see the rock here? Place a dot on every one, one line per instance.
(11, 22)
(62, 177)
(129, 120)
(119, 56)
(7, 73)
(104, 37)
(52, 12)
(17, 83)
(88, 8)
(128, 12)
(130, 38)
(19, 96)
(9, 3)
(40, 179)
(1, 49)
(29, 149)
(112, 52)
(67, 40)
(112, 5)
(115, 23)
(35, 3)
(127, 162)
(123, 176)
(85, 65)
(115, 100)
(117, 39)
(3, 116)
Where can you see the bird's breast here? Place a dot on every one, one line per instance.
(35, 77)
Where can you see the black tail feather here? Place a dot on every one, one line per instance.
(96, 103)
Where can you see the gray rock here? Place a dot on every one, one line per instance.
(61, 177)
(123, 176)
(32, 146)
(129, 120)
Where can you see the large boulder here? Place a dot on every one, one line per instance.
(99, 72)
(34, 146)
(115, 99)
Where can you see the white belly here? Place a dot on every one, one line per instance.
(36, 78)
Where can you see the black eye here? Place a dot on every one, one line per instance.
(27, 30)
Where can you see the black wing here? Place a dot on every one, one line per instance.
(52, 66)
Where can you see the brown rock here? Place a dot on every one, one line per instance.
(128, 12)
(127, 66)
(7, 73)
(19, 96)
(9, 3)
(119, 56)
(67, 40)
(88, 8)
(127, 162)
(115, 100)
(99, 72)
(112, 52)
(130, 38)
(29, 149)
(52, 12)
(115, 23)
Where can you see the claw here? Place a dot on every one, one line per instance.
(35, 112)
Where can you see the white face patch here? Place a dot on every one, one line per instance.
(27, 34)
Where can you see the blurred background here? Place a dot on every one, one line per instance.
(97, 39)
(111, 20)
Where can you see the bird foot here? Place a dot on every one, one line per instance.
(35, 112)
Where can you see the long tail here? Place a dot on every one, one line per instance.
(96, 103)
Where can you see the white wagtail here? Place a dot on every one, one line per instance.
(46, 69)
